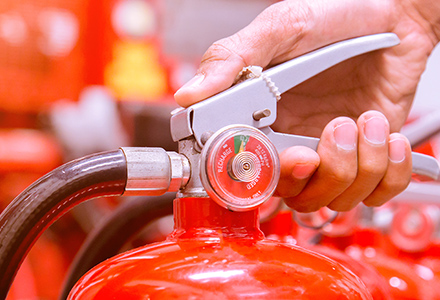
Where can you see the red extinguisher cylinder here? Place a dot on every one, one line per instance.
(214, 253)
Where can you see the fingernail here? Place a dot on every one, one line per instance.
(375, 131)
(302, 171)
(345, 136)
(194, 82)
(397, 150)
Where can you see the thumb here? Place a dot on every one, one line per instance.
(221, 63)
(216, 73)
(284, 30)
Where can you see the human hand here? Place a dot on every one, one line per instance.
(372, 165)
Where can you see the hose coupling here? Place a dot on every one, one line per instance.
(154, 171)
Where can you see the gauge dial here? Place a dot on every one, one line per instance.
(239, 167)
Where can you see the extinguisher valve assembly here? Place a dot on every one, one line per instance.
(228, 139)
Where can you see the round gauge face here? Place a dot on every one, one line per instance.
(240, 168)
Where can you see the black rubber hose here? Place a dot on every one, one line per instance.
(41, 204)
(107, 239)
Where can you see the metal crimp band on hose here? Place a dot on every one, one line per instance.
(154, 171)
(180, 171)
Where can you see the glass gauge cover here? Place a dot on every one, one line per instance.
(239, 167)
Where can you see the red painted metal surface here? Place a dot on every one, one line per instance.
(214, 253)
(404, 278)
(282, 228)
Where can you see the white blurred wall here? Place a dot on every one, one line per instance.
(428, 92)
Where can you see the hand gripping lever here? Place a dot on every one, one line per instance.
(253, 104)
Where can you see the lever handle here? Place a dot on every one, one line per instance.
(291, 73)
(422, 164)
(240, 103)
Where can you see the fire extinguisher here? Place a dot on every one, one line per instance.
(227, 166)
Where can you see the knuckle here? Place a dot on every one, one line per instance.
(396, 185)
(377, 202)
(374, 170)
(302, 206)
(342, 207)
(287, 192)
(220, 51)
(342, 176)
(295, 16)
(285, 21)
(217, 51)
(307, 208)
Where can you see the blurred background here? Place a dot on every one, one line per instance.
(82, 76)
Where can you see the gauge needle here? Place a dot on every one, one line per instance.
(240, 142)
(241, 147)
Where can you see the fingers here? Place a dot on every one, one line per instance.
(220, 65)
(358, 162)
(372, 160)
(337, 170)
(297, 166)
(398, 174)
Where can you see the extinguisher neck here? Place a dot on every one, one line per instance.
(203, 218)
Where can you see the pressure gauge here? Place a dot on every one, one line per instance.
(239, 167)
